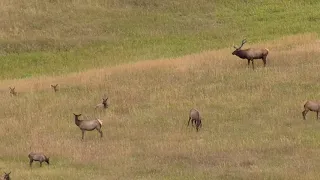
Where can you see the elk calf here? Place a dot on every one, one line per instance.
(251, 54)
(55, 87)
(38, 157)
(195, 118)
(103, 105)
(311, 106)
(88, 125)
(6, 176)
(13, 91)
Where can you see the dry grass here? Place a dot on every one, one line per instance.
(252, 127)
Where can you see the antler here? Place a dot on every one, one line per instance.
(242, 43)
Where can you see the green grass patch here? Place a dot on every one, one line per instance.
(57, 37)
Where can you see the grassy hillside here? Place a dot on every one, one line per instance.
(252, 127)
(156, 59)
(59, 36)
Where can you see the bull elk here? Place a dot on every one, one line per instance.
(251, 54)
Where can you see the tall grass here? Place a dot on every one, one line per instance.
(55, 37)
(252, 126)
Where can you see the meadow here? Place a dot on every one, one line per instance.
(153, 75)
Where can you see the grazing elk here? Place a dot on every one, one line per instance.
(311, 106)
(55, 87)
(38, 157)
(13, 91)
(88, 125)
(251, 54)
(195, 118)
(6, 176)
(104, 104)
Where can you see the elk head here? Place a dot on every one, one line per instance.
(13, 91)
(6, 176)
(239, 48)
(55, 87)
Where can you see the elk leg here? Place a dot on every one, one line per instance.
(198, 124)
(82, 134)
(248, 63)
(252, 64)
(304, 113)
(30, 163)
(189, 121)
(317, 115)
(264, 59)
(40, 163)
(99, 130)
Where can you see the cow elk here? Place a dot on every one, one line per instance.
(195, 118)
(88, 125)
(104, 104)
(6, 176)
(251, 54)
(55, 87)
(13, 91)
(37, 157)
(311, 106)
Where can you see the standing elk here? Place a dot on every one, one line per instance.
(311, 106)
(251, 54)
(13, 91)
(37, 157)
(6, 176)
(88, 125)
(55, 87)
(195, 118)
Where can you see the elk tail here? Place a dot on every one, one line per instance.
(267, 49)
(100, 121)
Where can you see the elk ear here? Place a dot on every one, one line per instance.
(9, 173)
(52, 85)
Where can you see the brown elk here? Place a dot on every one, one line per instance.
(251, 54)
(6, 176)
(311, 106)
(88, 125)
(195, 118)
(13, 91)
(55, 87)
(33, 156)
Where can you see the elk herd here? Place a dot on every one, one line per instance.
(194, 115)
